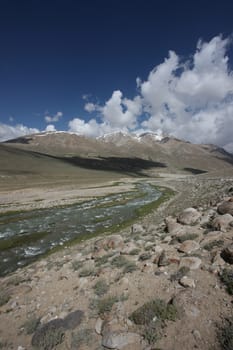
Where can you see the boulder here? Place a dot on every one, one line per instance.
(222, 223)
(193, 263)
(119, 340)
(189, 216)
(188, 247)
(226, 207)
(173, 227)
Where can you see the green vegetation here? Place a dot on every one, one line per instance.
(82, 336)
(101, 287)
(17, 241)
(4, 298)
(103, 259)
(214, 244)
(104, 305)
(227, 278)
(186, 237)
(152, 316)
(76, 265)
(225, 335)
(156, 308)
(31, 325)
(87, 272)
(50, 339)
(134, 251)
(144, 256)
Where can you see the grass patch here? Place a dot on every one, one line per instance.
(101, 287)
(4, 298)
(104, 305)
(76, 265)
(225, 335)
(227, 278)
(156, 308)
(186, 237)
(87, 272)
(129, 267)
(31, 325)
(134, 251)
(19, 240)
(144, 256)
(103, 259)
(83, 336)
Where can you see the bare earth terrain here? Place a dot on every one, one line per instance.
(155, 285)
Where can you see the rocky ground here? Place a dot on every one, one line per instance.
(164, 283)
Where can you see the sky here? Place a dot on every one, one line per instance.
(96, 66)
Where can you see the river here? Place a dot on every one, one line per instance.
(27, 235)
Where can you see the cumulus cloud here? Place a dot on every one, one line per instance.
(8, 132)
(54, 118)
(190, 99)
(50, 128)
(194, 99)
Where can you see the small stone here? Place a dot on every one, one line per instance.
(99, 325)
(193, 263)
(187, 282)
(163, 261)
(196, 334)
(137, 228)
(189, 216)
(227, 254)
(188, 247)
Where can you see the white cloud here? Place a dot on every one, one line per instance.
(53, 119)
(8, 132)
(192, 100)
(90, 107)
(50, 127)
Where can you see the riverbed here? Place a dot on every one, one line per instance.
(25, 236)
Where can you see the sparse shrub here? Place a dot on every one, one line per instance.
(155, 308)
(102, 260)
(15, 281)
(105, 305)
(186, 237)
(213, 244)
(4, 298)
(31, 325)
(225, 335)
(134, 251)
(149, 247)
(151, 332)
(183, 271)
(76, 265)
(49, 338)
(86, 272)
(119, 261)
(129, 267)
(83, 336)
(144, 256)
(101, 287)
(227, 278)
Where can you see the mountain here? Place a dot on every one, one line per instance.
(75, 155)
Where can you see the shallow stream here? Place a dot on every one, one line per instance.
(26, 236)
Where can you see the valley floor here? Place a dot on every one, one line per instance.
(95, 295)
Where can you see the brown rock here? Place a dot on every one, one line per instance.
(227, 254)
(188, 247)
(189, 216)
(226, 207)
(222, 222)
(193, 263)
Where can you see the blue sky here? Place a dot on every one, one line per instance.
(96, 66)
